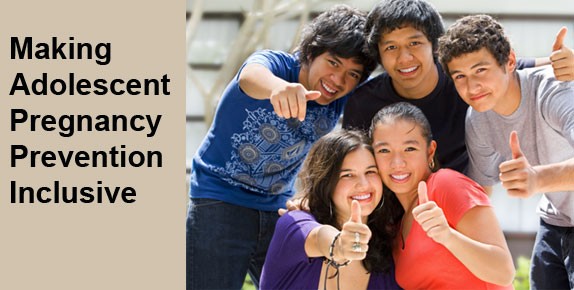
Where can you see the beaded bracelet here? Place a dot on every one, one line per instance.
(331, 260)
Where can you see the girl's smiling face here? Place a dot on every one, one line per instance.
(403, 155)
(358, 180)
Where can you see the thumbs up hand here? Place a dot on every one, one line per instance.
(562, 58)
(431, 217)
(355, 236)
(516, 174)
(290, 101)
(355, 212)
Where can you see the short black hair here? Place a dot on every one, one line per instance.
(389, 15)
(338, 31)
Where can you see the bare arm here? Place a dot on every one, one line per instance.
(555, 177)
(521, 179)
(477, 241)
(540, 61)
(479, 244)
(488, 190)
(320, 238)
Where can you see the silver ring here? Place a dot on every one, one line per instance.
(357, 247)
(357, 237)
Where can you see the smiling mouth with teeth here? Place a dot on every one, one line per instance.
(408, 70)
(328, 89)
(400, 177)
(361, 197)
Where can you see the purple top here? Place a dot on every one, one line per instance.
(287, 265)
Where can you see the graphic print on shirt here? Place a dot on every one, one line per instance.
(269, 151)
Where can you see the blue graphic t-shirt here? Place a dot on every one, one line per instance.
(250, 157)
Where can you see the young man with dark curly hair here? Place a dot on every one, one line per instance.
(403, 36)
(270, 114)
(507, 104)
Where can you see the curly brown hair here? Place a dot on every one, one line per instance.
(470, 34)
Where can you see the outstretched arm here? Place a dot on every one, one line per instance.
(556, 176)
(319, 240)
(561, 58)
(477, 241)
(521, 179)
(289, 100)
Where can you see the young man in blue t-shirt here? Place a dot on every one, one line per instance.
(268, 117)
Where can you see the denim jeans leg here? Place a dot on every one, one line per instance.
(568, 252)
(268, 220)
(547, 270)
(221, 238)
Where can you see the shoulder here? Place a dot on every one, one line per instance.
(292, 229)
(372, 87)
(370, 95)
(271, 58)
(451, 178)
(545, 81)
(296, 218)
(364, 103)
(297, 215)
(540, 79)
(272, 54)
(551, 94)
(455, 194)
(447, 178)
(447, 185)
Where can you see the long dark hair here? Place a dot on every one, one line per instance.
(317, 181)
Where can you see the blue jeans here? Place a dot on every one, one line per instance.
(553, 258)
(224, 243)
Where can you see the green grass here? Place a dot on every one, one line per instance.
(248, 284)
(522, 278)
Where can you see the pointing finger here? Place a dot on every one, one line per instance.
(302, 103)
(312, 95)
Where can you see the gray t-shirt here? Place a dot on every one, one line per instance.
(544, 122)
